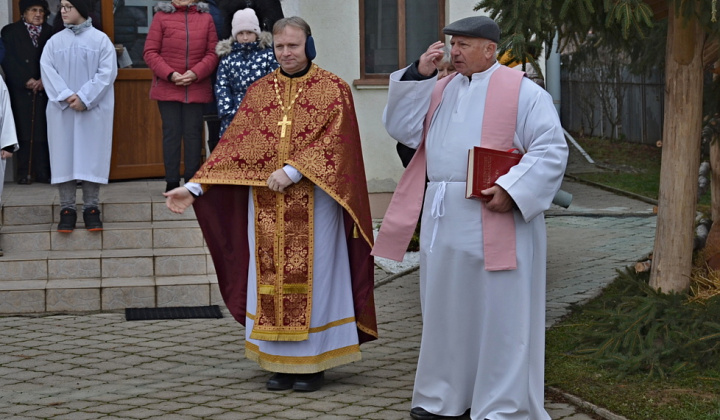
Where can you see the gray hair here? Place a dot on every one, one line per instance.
(294, 21)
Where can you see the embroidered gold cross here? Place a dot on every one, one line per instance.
(284, 123)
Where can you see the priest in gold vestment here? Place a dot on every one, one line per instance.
(283, 205)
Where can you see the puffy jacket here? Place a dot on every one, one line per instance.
(240, 65)
(181, 38)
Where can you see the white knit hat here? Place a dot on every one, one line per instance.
(245, 20)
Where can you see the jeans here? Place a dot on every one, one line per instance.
(91, 194)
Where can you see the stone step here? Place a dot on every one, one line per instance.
(146, 256)
(115, 235)
(108, 294)
(20, 213)
(112, 263)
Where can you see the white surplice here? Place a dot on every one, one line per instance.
(483, 337)
(80, 142)
(8, 135)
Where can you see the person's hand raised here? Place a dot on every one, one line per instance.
(434, 53)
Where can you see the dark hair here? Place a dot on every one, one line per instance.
(295, 21)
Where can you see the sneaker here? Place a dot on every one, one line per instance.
(68, 217)
(91, 217)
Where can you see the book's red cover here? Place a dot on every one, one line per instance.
(485, 166)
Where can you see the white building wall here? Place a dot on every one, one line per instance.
(336, 30)
(5, 13)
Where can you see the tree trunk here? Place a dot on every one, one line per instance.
(672, 260)
(715, 179)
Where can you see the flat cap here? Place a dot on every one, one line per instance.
(475, 27)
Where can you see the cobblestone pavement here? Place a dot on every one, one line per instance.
(99, 366)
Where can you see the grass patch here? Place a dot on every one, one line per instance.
(663, 380)
(637, 353)
(630, 167)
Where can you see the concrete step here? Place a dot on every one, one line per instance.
(146, 256)
(107, 294)
(115, 235)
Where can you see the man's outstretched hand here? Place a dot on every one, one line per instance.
(178, 199)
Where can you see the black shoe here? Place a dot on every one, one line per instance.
(171, 186)
(419, 413)
(23, 180)
(68, 217)
(91, 217)
(1, 252)
(280, 382)
(309, 382)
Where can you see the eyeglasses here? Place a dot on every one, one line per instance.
(66, 8)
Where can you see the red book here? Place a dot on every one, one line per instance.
(485, 166)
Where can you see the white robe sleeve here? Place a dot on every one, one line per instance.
(55, 86)
(8, 135)
(533, 183)
(408, 103)
(93, 91)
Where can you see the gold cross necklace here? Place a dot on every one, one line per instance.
(284, 123)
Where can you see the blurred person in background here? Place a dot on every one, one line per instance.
(24, 41)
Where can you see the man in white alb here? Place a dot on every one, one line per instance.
(482, 264)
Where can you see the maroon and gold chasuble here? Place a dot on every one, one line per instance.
(309, 123)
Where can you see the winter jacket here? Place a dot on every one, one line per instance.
(181, 38)
(240, 65)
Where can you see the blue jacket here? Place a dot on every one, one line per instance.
(240, 65)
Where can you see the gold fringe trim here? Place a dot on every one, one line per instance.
(279, 335)
(303, 364)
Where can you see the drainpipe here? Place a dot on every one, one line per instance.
(552, 79)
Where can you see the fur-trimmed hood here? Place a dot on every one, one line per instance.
(225, 46)
(168, 7)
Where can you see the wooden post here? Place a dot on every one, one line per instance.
(672, 260)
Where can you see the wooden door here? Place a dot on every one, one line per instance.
(137, 128)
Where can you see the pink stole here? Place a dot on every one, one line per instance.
(497, 133)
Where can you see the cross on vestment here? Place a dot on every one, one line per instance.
(284, 123)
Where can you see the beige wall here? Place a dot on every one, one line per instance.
(336, 30)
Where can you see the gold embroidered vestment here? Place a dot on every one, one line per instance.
(309, 123)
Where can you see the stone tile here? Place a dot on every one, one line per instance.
(22, 301)
(126, 212)
(73, 268)
(23, 269)
(12, 240)
(184, 235)
(79, 239)
(127, 297)
(180, 265)
(73, 300)
(27, 215)
(127, 266)
(128, 236)
(183, 295)
(215, 295)
(210, 264)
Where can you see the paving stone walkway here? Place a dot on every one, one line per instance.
(99, 366)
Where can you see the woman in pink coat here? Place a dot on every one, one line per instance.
(180, 50)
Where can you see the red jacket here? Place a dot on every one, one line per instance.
(181, 38)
